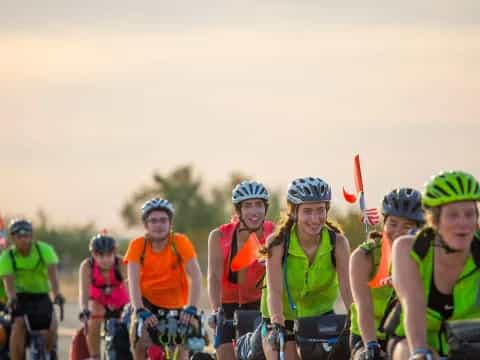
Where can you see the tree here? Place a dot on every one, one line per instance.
(198, 211)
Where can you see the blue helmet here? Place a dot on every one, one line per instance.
(308, 189)
(247, 190)
(405, 203)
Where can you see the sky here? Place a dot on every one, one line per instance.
(96, 96)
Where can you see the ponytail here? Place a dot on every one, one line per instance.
(283, 228)
(334, 226)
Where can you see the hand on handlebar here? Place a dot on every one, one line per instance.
(59, 300)
(276, 337)
(149, 319)
(84, 315)
(188, 314)
(12, 304)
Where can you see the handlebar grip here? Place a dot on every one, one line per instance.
(282, 346)
(62, 312)
(218, 330)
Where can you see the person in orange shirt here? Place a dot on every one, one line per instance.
(158, 265)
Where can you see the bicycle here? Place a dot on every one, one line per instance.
(320, 337)
(5, 324)
(111, 324)
(170, 333)
(36, 344)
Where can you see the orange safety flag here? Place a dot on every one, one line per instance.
(357, 174)
(79, 347)
(383, 273)
(247, 255)
(350, 198)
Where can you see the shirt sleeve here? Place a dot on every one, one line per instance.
(48, 253)
(185, 248)
(6, 267)
(134, 251)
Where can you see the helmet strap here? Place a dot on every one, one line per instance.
(246, 227)
(439, 242)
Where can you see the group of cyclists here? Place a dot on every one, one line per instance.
(429, 244)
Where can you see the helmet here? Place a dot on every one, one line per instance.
(102, 244)
(405, 203)
(308, 189)
(249, 189)
(157, 204)
(450, 186)
(21, 227)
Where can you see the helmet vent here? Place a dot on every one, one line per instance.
(460, 183)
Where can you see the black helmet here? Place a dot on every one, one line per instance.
(102, 244)
(20, 227)
(405, 203)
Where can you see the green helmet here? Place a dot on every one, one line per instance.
(450, 186)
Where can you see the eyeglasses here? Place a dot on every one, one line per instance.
(153, 221)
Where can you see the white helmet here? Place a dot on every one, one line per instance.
(249, 189)
(157, 204)
(308, 189)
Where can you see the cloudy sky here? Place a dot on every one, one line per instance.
(95, 96)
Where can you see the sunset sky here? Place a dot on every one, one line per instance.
(95, 96)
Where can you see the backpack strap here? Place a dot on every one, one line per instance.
(91, 262)
(423, 241)
(174, 248)
(116, 269)
(476, 248)
(40, 255)
(144, 249)
(333, 244)
(12, 259)
(14, 262)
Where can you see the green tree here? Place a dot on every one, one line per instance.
(198, 210)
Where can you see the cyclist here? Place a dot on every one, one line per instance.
(231, 290)
(102, 290)
(436, 273)
(307, 263)
(29, 270)
(402, 211)
(158, 265)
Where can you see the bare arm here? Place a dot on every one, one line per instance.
(84, 280)
(9, 282)
(53, 278)
(275, 284)
(360, 270)
(195, 274)
(409, 287)
(123, 270)
(215, 269)
(342, 256)
(133, 270)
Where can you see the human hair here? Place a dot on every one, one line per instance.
(284, 227)
(238, 207)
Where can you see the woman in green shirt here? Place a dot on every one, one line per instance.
(402, 211)
(436, 273)
(307, 264)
